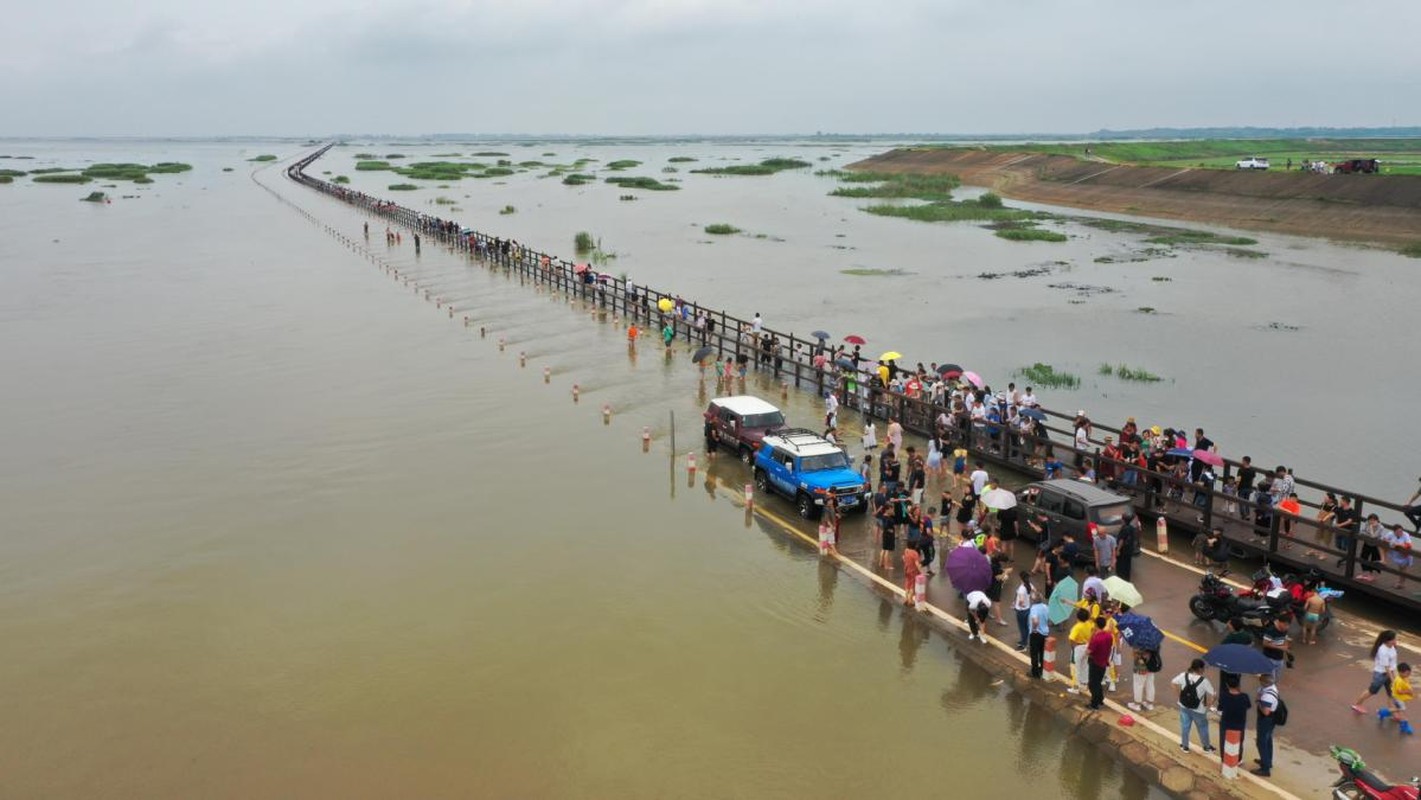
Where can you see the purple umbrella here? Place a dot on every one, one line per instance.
(968, 569)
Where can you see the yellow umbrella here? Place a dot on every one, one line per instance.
(665, 304)
(891, 355)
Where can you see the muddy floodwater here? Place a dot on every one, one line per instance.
(274, 525)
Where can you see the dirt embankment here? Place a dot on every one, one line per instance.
(1373, 208)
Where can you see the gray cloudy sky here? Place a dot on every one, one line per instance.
(296, 67)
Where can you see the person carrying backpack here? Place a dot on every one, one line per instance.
(1272, 712)
(1195, 691)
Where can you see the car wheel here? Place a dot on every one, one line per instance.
(762, 481)
(747, 456)
(805, 506)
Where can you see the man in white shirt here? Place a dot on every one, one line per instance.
(979, 479)
(831, 409)
(978, 606)
(1028, 399)
(756, 324)
(1201, 691)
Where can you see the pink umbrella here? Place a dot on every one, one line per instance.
(580, 268)
(1209, 457)
(972, 378)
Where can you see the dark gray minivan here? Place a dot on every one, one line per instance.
(1072, 504)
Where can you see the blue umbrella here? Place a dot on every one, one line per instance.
(1139, 632)
(846, 363)
(820, 334)
(1033, 413)
(1181, 452)
(1238, 658)
(968, 569)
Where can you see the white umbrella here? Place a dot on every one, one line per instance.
(999, 499)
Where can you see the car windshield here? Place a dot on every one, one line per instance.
(770, 419)
(1112, 515)
(825, 461)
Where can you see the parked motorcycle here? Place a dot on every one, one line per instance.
(1357, 783)
(1297, 587)
(1217, 601)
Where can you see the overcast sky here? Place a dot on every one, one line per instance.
(312, 67)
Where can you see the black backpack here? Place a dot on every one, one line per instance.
(1280, 710)
(1189, 695)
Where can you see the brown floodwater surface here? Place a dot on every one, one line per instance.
(276, 526)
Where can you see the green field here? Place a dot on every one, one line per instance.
(1398, 156)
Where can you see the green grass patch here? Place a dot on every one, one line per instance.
(642, 183)
(680, 159)
(721, 229)
(1200, 237)
(52, 170)
(767, 167)
(7, 179)
(340, 179)
(1030, 235)
(494, 172)
(1146, 309)
(1412, 250)
(371, 166)
(402, 187)
(265, 157)
(506, 210)
(623, 164)
(12, 173)
(94, 197)
(488, 154)
(445, 201)
(393, 156)
(583, 242)
(1040, 374)
(64, 177)
(577, 179)
(364, 156)
(1105, 369)
(168, 168)
(1239, 252)
(933, 188)
(229, 169)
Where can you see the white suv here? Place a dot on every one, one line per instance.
(1252, 163)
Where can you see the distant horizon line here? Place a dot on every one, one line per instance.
(1215, 131)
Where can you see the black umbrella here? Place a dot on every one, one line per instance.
(820, 334)
(700, 355)
(943, 369)
(1238, 658)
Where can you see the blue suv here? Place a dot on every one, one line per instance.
(805, 467)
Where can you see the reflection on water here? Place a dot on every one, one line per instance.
(278, 526)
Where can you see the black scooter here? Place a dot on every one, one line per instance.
(1217, 601)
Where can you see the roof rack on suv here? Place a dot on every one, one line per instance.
(798, 437)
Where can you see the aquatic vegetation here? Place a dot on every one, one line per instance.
(64, 177)
(1412, 250)
(1127, 373)
(508, 210)
(393, 156)
(934, 188)
(402, 187)
(364, 156)
(265, 157)
(642, 183)
(94, 197)
(12, 173)
(990, 200)
(488, 154)
(1105, 369)
(1199, 237)
(680, 159)
(1161, 279)
(1031, 235)
(1239, 252)
(767, 167)
(583, 242)
(494, 172)
(1146, 309)
(6, 179)
(869, 272)
(138, 173)
(445, 201)
(577, 179)
(370, 166)
(1046, 375)
(669, 170)
(623, 164)
(51, 170)
(446, 155)
(229, 169)
(168, 167)
(721, 229)
(950, 211)
(340, 179)
(627, 197)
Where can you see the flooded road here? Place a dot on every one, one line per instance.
(276, 526)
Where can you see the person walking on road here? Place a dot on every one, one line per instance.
(1401, 694)
(1098, 650)
(1195, 691)
(1021, 604)
(1039, 619)
(912, 568)
(1267, 704)
(1383, 669)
